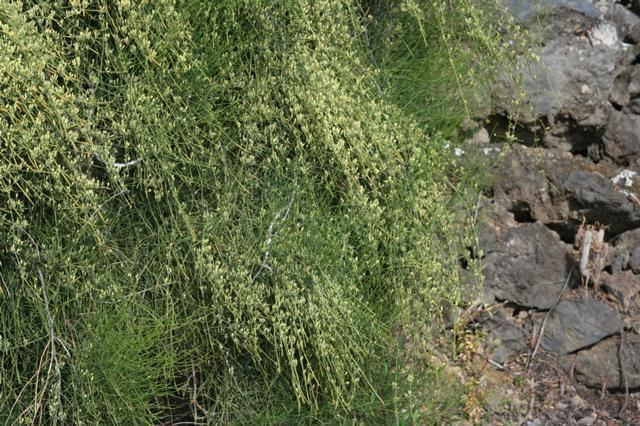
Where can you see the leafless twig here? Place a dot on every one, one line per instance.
(271, 233)
(53, 360)
(54, 364)
(490, 361)
(622, 373)
(544, 321)
(117, 194)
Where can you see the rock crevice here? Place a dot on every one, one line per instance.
(576, 164)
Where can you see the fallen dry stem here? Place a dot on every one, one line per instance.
(271, 233)
(53, 359)
(544, 321)
(623, 374)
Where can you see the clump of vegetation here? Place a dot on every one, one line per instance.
(229, 211)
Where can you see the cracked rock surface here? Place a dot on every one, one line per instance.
(575, 166)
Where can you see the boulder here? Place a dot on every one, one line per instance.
(579, 323)
(622, 287)
(506, 340)
(627, 23)
(621, 249)
(596, 198)
(600, 365)
(527, 265)
(621, 138)
(561, 190)
(585, 66)
(522, 186)
(528, 10)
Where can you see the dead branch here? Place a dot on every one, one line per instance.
(53, 360)
(622, 373)
(271, 233)
(544, 321)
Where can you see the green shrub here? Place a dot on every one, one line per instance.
(225, 210)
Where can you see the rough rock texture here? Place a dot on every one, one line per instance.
(576, 324)
(506, 339)
(527, 10)
(552, 186)
(622, 287)
(576, 163)
(528, 265)
(600, 365)
(580, 57)
(620, 140)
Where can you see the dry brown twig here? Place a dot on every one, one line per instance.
(544, 321)
(53, 369)
(622, 374)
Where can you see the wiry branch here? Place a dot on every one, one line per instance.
(623, 375)
(534, 352)
(271, 233)
(53, 360)
(54, 364)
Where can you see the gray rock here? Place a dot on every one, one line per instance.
(621, 137)
(634, 81)
(600, 365)
(481, 137)
(620, 249)
(576, 324)
(634, 260)
(492, 217)
(596, 198)
(558, 86)
(634, 106)
(634, 6)
(618, 263)
(505, 339)
(584, 64)
(528, 266)
(524, 188)
(619, 94)
(627, 23)
(556, 188)
(622, 286)
(626, 241)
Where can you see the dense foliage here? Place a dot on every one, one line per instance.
(229, 211)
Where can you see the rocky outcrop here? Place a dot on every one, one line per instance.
(533, 277)
(576, 164)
